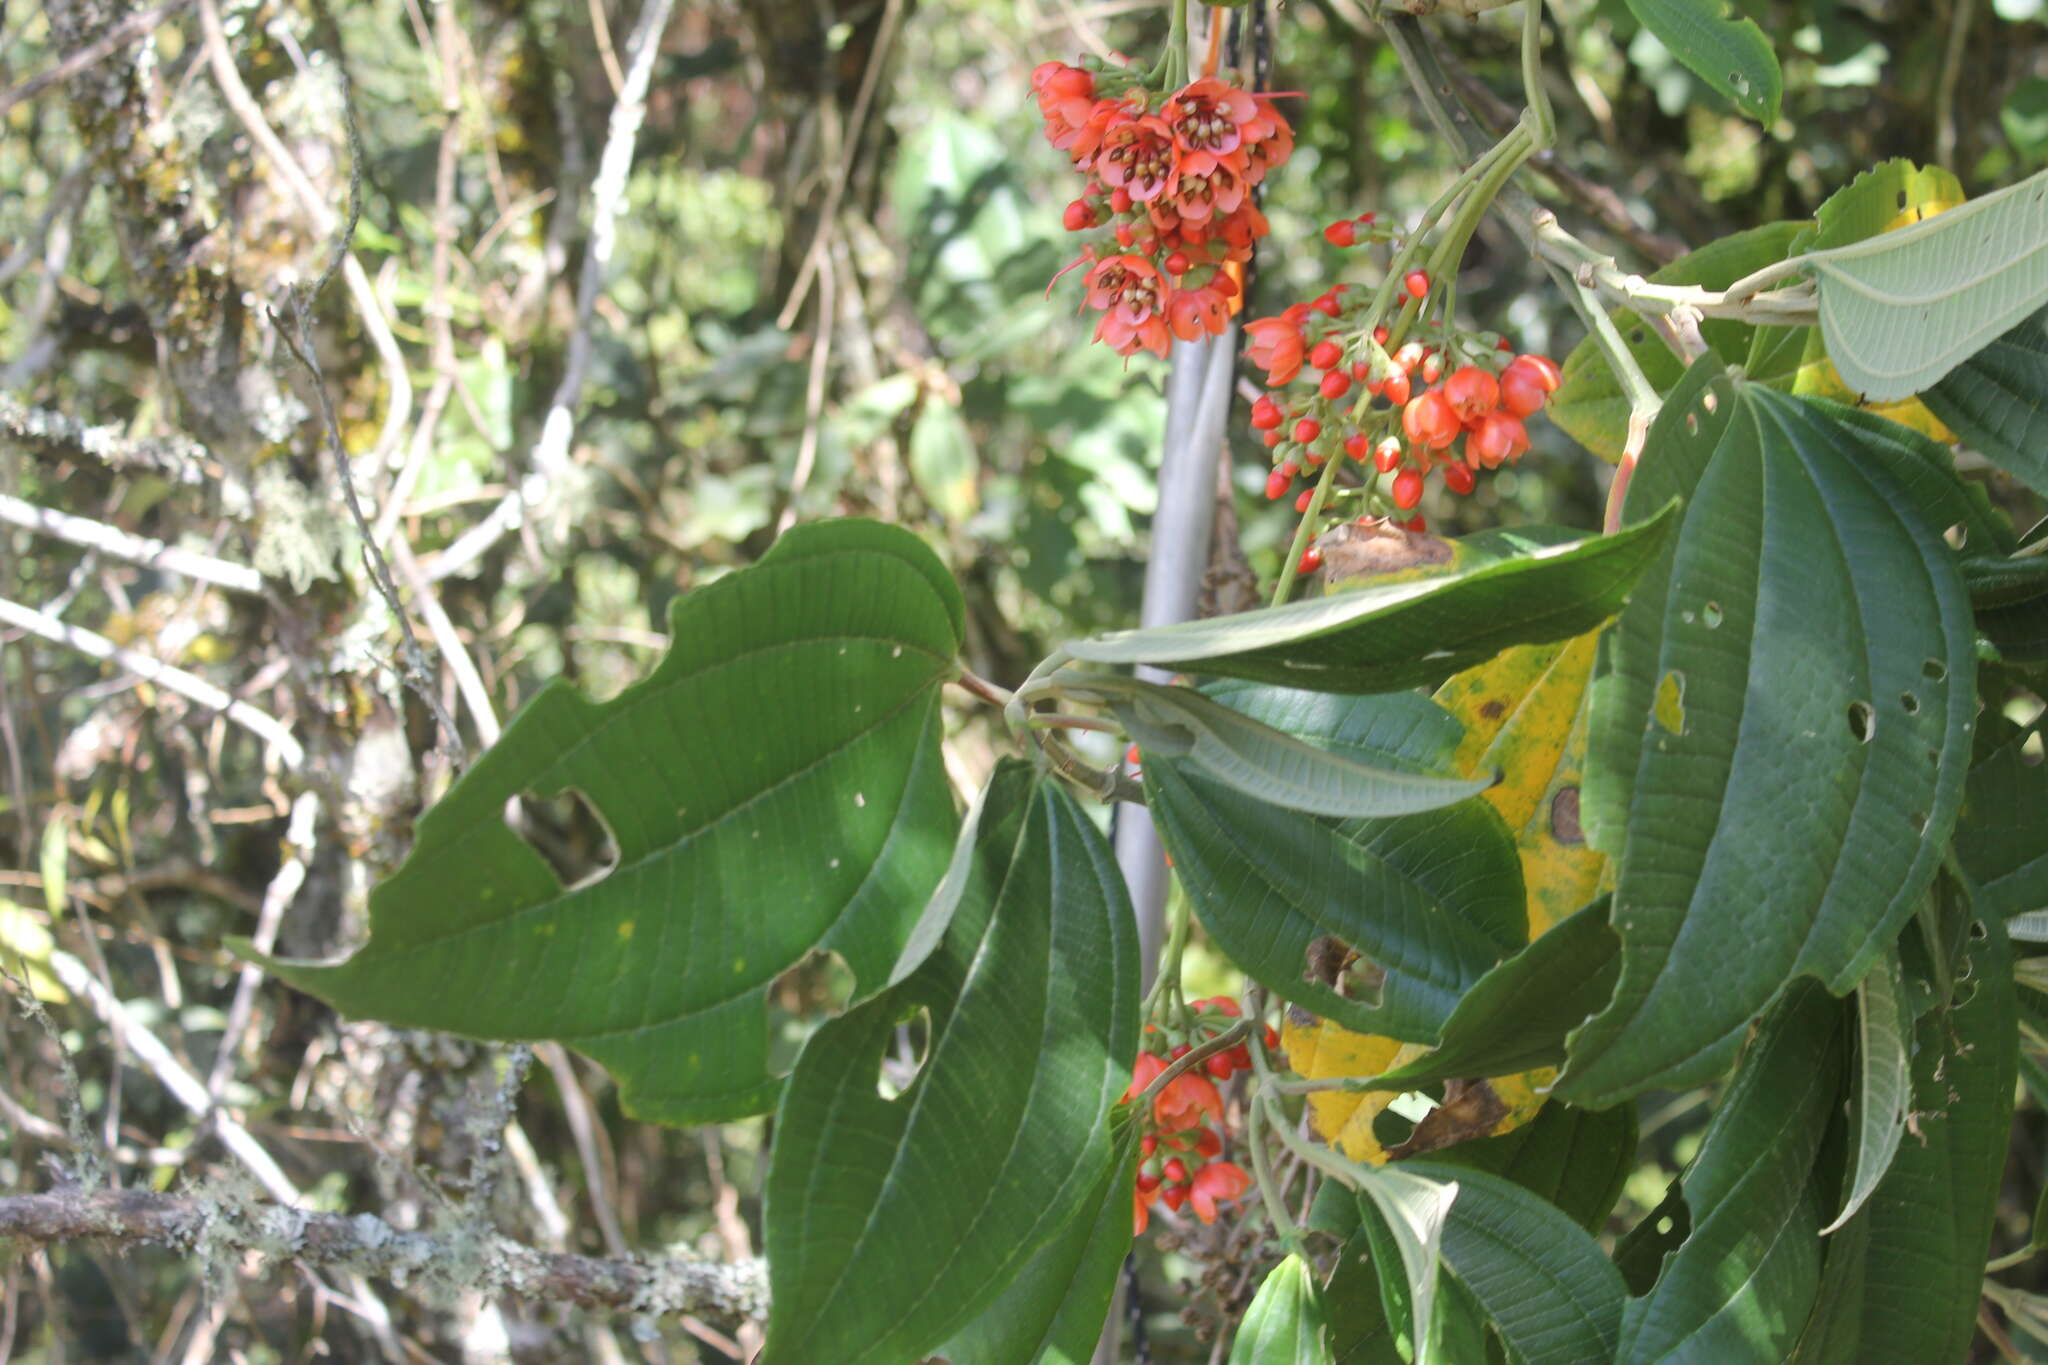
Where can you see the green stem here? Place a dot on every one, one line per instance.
(1532, 75)
(1167, 985)
(1194, 1057)
(1302, 533)
(1170, 72)
(1283, 1222)
(1643, 399)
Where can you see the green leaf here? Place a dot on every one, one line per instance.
(1433, 900)
(1884, 1083)
(1052, 1313)
(1997, 401)
(942, 461)
(1590, 404)
(2006, 582)
(1404, 1217)
(1890, 195)
(891, 1223)
(2002, 839)
(1398, 635)
(1730, 54)
(1741, 1285)
(1516, 1016)
(1780, 733)
(1540, 1278)
(1360, 1332)
(1902, 309)
(1271, 765)
(1577, 1159)
(1932, 1216)
(1284, 1325)
(773, 788)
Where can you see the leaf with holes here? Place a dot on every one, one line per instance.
(740, 848)
(1541, 1279)
(1781, 730)
(1284, 1324)
(1729, 53)
(1998, 401)
(1903, 309)
(1577, 1159)
(892, 1223)
(1431, 900)
(1742, 1282)
(1520, 588)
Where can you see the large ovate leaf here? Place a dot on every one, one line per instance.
(1781, 730)
(1997, 401)
(1883, 1080)
(1389, 636)
(1591, 406)
(1312, 774)
(1525, 716)
(1742, 1283)
(1728, 52)
(1541, 1279)
(772, 788)
(1902, 309)
(2002, 838)
(1360, 1332)
(1932, 1215)
(1431, 901)
(1577, 1159)
(1403, 1216)
(1052, 1313)
(1284, 1324)
(892, 1223)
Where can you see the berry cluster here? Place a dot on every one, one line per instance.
(1457, 401)
(1170, 177)
(1178, 1163)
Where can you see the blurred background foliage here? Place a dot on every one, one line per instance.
(828, 295)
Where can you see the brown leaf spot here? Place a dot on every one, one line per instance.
(1376, 549)
(1469, 1110)
(1491, 710)
(1564, 817)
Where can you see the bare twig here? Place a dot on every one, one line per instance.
(607, 193)
(125, 31)
(111, 540)
(719, 1293)
(172, 679)
(54, 435)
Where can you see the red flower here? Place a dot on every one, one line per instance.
(1219, 1180)
(1268, 142)
(1276, 347)
(1187, 1099)
(1195, 313)
(1141, 1211)
(1203, 187)
(1138, 157)
(1145, 1071)
(1209, 116)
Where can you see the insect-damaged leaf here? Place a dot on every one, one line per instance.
(772, 788)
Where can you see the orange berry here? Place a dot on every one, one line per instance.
(1407, 489)
(1472, 393)
(1417, 284)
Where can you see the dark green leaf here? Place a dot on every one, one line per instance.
(1997, 401)
(1432, 900)
(1883, 1080)
(2002, 838)
(1729, 53)
(1931, 1218)
(1516, 1016)
(1541, 1280)
(2006, 582)
(1398, 635)
(1284, 1325)
(1742, 1284)
(1642, 1250)
(893, 1222)
(821, 822)
(1577, 1159)
(1780, 733)
(1359, 1331)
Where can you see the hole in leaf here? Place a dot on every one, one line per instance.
(1910, 702)
(1664, 1226)
(569, 835)
(819, 985)
(1692, 424)
(1637, 337)
(1739, 81)
(1862, 721)
(1978, 931)
(1709, 401)
(1934, 670)
(1711, 614)
(1336, 965)
(1957, 536)
(1391, 1127)
(2031, 749)
(905, 1056)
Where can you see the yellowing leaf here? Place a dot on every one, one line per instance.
(25, 947)
(1321, 1050)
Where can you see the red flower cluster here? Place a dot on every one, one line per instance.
(1178, 1164)
(1173, 184)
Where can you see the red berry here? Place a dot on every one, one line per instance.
(1380, 335)
(1131, 756)
(1274, 438)
(1472, 393)
(1407, 489)
(1526, 385)
(1357, 446)
(1365, 219)
(1307, 429)
(1289, 468)
(1175, 1171)
(1124, 235)
(1219, 1065)
(1458, 479)
(1120, 202)
(1397, 388)
(1276, 486)
(1415, 524)
(1335, 384)
(1429, 420)
(1416, 283)
(1311, 560)
(1180, 1052)
(1410, 357)
(1175, 1196)
(1147, 1183)
(1432, 367)
(1266, 414)
(1080, 214)
(1386, 456)
(1497, 439)
(1362, 371)
(1207, 1144)
(1271, 1039)
(1147, 1145)
(1177, 263)
(1301, 503)
(1341, 233)
(1325, 355)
